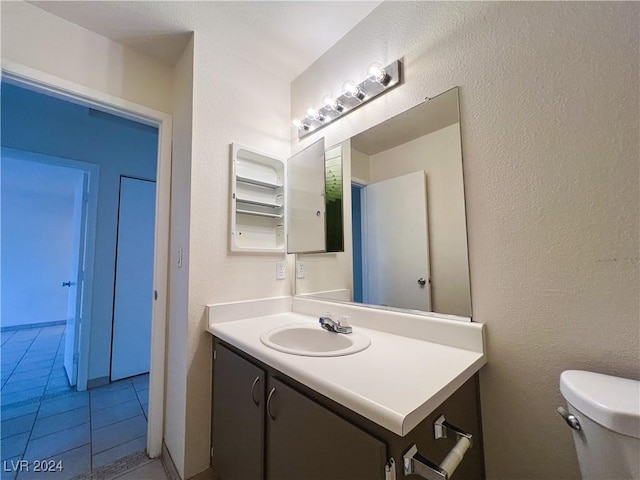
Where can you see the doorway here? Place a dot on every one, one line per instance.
(49, 207)
(102, 103)
(393, 213)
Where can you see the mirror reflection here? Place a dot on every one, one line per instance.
(405, 239)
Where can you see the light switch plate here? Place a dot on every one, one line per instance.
(299, 270)
(281, 270)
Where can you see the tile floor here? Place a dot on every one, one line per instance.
(44, 418)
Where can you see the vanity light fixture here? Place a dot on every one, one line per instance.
(379, 81)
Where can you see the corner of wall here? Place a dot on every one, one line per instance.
(177, 327)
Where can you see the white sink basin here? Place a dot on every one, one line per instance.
(310, 340)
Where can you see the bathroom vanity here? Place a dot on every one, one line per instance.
(378, 227)
(279, 415)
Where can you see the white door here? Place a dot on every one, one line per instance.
(75, 283)
(131, 341)
(306, 200)
(396, 245)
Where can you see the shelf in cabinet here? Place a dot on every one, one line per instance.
(259, 183)
(258, 203)
(258, 214)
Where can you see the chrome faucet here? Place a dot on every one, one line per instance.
(334, 326)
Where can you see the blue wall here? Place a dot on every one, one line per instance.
(46, 125)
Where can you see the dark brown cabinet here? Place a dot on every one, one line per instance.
(267, 426)
(238, 416)
(305, 440)
(283, 435)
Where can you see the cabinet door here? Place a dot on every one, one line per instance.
(307, 441)
(306, 200)
(238, 417)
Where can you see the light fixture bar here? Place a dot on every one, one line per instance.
(356, 95)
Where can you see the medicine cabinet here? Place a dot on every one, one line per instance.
(266, 197)
(258, 221)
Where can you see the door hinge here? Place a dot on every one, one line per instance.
(214, 354)
(211, 452)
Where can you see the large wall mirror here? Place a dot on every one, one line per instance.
(405, 237)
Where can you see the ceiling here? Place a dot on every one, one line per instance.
(284, 37)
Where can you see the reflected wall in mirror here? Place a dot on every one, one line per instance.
(405, 238)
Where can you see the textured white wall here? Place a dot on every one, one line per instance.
(233, 101)
(359, 166)
(40, 40)
(550, 132)
(177, 326)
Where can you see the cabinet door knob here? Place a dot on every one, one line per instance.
(273, 390)
(253, 389)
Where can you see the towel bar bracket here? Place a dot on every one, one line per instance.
(443, 429)
(416, 464)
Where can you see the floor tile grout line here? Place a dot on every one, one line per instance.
(9, 338)
(138, 397)
(115, 405)
(41, 397)
(36, 417)
(54, 363)
(39, 405)
(121, 420)
(25, 352)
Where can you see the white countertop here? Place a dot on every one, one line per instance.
(396, 382)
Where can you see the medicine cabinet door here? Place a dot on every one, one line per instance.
(306, 200)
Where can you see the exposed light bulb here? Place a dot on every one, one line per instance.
(353, 90)
(332, 103)
(378, 73)
(299, 125)
(314, 114)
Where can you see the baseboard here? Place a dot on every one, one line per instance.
(11, 328)
(169, 466)
(97, 382)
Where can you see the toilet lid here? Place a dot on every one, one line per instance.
(612, 402)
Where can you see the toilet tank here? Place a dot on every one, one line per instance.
(608, 410)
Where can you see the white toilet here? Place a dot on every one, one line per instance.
(604, 412)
